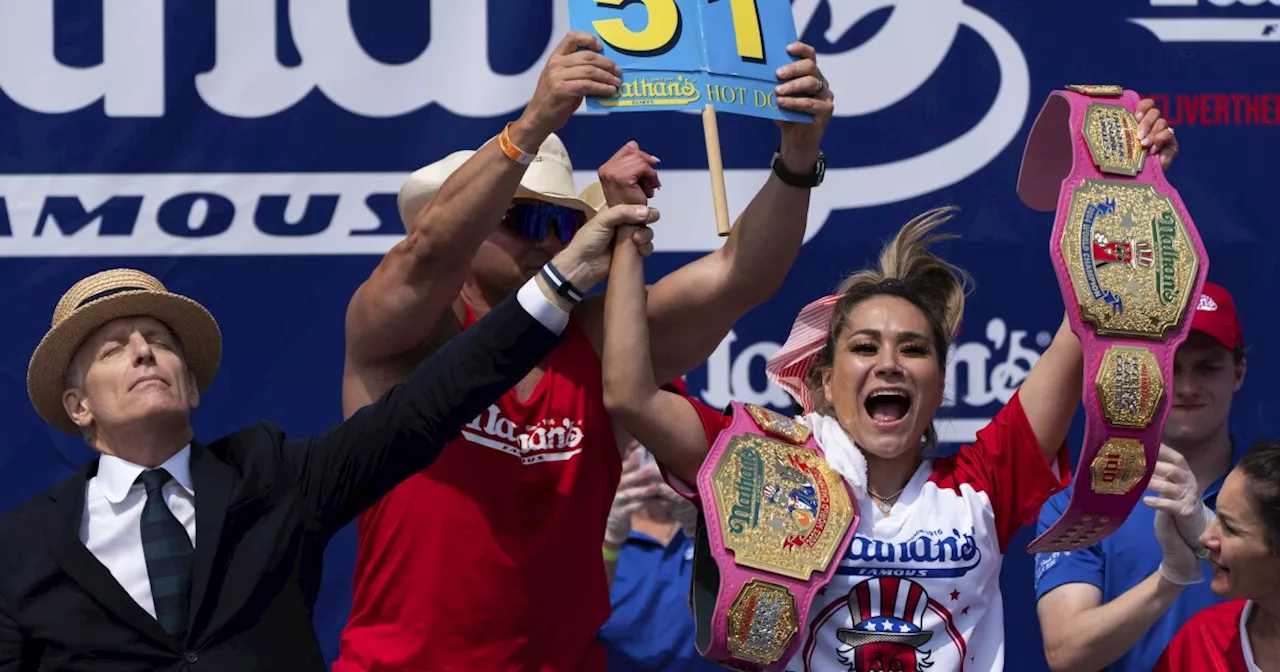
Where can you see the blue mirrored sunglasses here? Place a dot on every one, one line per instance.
(535, 219)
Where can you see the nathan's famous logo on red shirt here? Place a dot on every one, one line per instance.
(548, 440)
(1218, 109)
(926, 554)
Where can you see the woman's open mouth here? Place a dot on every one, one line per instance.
(887, 406)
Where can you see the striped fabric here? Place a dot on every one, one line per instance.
(168, 552)
(788, 366)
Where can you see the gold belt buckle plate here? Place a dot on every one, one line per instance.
(1129, 257)
(782, 509)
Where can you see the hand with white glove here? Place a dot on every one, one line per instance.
(1179, 496)
(1180, 564)
(682, 510)
(638, 484)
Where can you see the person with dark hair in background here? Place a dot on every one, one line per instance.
(1242, 545)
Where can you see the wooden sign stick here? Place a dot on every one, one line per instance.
(716, 168)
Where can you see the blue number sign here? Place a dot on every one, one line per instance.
(678, 54)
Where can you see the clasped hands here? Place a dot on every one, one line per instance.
(1181, 517)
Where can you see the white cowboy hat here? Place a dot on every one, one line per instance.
(99, 299)
(549, 178)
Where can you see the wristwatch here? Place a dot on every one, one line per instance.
(802, 180)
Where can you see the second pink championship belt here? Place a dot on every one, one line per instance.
(1130, 266)
(778, 520)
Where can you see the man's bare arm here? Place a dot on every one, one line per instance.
(1082, 634)
(691, 309)
(420, 277)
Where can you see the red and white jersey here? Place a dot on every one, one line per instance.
(920, 588)
(1214, 640)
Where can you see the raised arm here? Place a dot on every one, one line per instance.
(418, 279)
(663, 422)
(344, 471)
(1052, 390)
(692, 309)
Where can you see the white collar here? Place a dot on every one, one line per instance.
(116, 476)
(1246, 646)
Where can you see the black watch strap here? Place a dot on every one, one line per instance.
(802, 180)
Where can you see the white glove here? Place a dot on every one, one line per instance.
(1179, 496)
(636, 485)
(1180, 564)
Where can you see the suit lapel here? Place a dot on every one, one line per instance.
(63, 538)
(213, 481)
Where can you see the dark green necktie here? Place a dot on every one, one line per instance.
(168, 550)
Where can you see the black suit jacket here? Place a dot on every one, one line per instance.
(266, 507)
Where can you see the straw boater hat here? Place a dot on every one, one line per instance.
(99, 299)
(549, 178)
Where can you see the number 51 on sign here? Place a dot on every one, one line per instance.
(682, 54)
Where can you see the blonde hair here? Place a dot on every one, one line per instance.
(909, 270)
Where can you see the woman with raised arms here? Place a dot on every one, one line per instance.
(919, 585)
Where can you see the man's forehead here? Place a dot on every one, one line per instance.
(1199, 346)
(123, 326)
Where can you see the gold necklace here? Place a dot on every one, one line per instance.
(885, 503)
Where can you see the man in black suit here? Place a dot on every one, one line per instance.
(167, 554)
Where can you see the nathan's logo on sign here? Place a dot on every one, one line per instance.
(665, 48)
(1203, 21)
(276, 90)
(658, 90)
(985, 366)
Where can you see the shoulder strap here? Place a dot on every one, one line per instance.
(777, 425)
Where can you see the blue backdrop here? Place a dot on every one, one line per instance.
(248, 154)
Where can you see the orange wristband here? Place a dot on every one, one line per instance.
(509, 148)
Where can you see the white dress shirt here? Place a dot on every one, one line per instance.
(111, 527)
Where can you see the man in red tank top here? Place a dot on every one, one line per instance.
(491, 559)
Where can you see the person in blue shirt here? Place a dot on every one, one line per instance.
(651, 531)
(1115, 605)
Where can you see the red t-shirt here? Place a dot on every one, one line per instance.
(1214, 640)
(920, 587)
(489, 559)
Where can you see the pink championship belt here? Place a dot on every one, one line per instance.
(778, 520)
(1130, 265)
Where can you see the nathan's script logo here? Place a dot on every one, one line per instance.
(745, 512)
(549, 440)
(677, 90)
(927, 554)
(1186, 21)
(163, 210)
(1132, 260)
